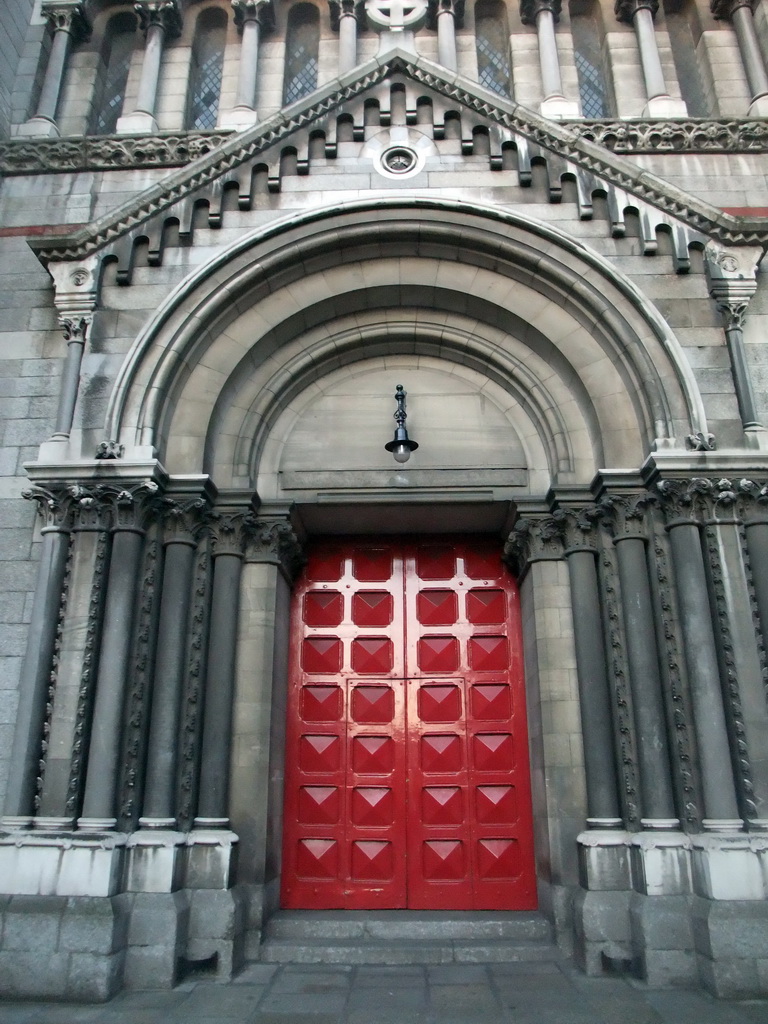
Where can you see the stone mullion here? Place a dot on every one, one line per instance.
(130, 510)
(228, 531)
(627, 519)
(685, 774)
(78, 653)
(38, 673)
(680, 501)
(180, 544)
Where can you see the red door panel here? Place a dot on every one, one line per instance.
(407, 780)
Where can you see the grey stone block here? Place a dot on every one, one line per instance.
(93, 925)
(661, 922)
(731, 979)
(148, 967)
(32, 924)
(93, 978)
(730, 929)
(669, 968)
(32, 975)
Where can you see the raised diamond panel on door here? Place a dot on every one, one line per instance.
(406, 770)
(372, 608)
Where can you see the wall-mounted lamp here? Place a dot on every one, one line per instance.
(401, 445)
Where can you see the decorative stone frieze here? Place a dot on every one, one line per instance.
(680, 136)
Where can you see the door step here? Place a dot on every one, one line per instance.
(406, 937)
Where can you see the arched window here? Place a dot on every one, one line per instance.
(492, 43)
(684, 30)
(116, 54)
(587, 53)
(206, 69)
(301, 51)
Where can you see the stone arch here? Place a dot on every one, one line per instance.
(593, 364)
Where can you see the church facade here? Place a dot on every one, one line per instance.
(248, 659)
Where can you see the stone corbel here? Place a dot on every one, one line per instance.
(731, 277)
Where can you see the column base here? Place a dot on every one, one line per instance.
(730, 866)
(559, 108)
(604, 861)
(35, 864)
(665, 106)
(661, 863)
(238, 119)
(155, 861)
(138, 123)
(210, 859)
(38, 128)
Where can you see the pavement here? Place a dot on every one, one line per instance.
(511, 993)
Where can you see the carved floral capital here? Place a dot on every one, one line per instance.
(75, 328)
(625, 10)
(344, 9)
(273, 540)
(534, 539)
(261, 11)
(164, 14)
(454, 7)
(625, 514)
(530, 9)
(67, 16)
(724, 10)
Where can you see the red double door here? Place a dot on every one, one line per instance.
(407, 778)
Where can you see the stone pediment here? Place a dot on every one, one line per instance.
(339, 111)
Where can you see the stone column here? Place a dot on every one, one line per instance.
(251, 17)
(132, 507)
(731, 276)
(544, 14)
(740, 14)
(160, 20)
(446, 16)
(640, 14)
(70, 25)
(581, 549)
(682, 502)
(182, 523)
(54, 507)
(77, 653)
(344, 15)
(229, 532)
(626, 516)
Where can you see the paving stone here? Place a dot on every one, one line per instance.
(304, 1003)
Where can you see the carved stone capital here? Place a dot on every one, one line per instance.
(182, 520)
(723, 10)
(344, 9)
(580, 527)
(261, 11)
(75, 328)
(132, 507)
(273, 540)
(230, 531)
(529, 9)
(54, 506)
(67, 16)
(535, 539)
(625, 514)
(454, 7)
(625, 10)
(700, 499)
(163, 13)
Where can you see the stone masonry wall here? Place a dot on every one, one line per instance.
(15, 21)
